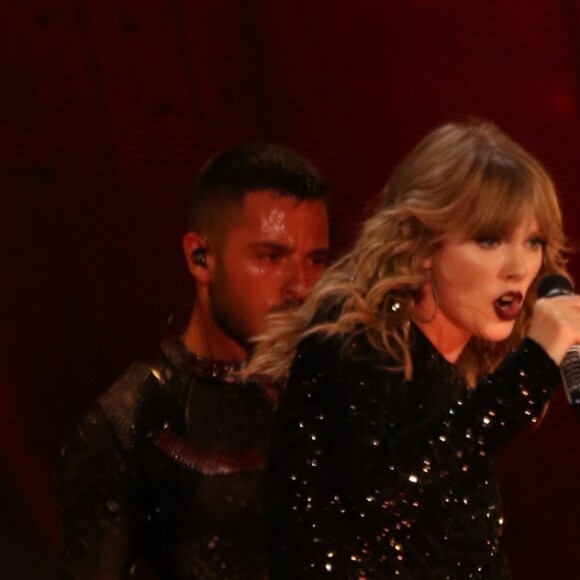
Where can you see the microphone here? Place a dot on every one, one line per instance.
(556, 285)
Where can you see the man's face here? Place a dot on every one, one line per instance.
(271, 256)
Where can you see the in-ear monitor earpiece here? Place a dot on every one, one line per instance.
(198, 257)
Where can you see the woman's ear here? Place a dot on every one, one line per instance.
(427, 263)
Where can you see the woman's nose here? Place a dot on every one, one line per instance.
(516, 266)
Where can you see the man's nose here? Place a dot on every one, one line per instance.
(297, 283)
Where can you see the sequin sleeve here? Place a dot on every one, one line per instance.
(96, 541)
(361, 471)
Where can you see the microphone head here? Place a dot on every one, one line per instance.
(555, 285)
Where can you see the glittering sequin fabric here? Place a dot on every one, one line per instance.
(371, 476)
(166, 470)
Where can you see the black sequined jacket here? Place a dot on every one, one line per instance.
(371, 476)
(166, 469)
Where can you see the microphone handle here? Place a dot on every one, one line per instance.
(556, 285)
(570, 370)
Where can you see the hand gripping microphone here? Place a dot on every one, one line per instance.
(556, 285)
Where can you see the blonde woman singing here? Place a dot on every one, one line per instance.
(417, 356)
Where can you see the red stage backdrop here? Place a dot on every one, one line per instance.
(109, 107)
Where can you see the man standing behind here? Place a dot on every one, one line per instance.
(166, 467)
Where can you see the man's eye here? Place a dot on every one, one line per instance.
(270, 256)
(319, 261)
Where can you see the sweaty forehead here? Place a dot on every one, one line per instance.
(247, 212)
(268, 217)
(273, 216)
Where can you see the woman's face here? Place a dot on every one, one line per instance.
(481, 285)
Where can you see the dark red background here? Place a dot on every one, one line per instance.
(107, 109)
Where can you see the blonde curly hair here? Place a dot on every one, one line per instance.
(464, 177)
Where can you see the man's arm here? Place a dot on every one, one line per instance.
(95, 505)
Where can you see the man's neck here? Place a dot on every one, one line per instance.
(205, 338)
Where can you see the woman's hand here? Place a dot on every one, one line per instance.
(556, 325)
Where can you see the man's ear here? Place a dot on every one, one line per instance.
(195, 249)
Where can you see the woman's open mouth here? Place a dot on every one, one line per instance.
(507, 306)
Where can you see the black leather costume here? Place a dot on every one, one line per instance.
(372, 476)
(166, 467)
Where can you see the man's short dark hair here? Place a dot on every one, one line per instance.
(225, 180)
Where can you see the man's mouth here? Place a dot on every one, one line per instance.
(507, 306)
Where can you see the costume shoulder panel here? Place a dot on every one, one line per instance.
(142, 402)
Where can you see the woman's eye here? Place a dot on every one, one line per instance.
(537, 242)
(488, 242)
